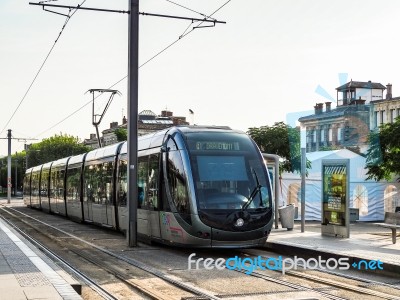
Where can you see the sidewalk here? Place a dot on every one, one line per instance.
(367, 241)
(25, 273)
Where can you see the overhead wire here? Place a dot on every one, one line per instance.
(180, 5)
(41, 67)
(143, 64)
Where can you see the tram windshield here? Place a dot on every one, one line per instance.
(228, 172)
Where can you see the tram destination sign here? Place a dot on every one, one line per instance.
(215, 145)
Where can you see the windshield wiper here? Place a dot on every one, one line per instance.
(253, 194)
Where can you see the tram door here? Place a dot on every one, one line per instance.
(97, 200)
(153, 194)
(148, 207)
(88, 192)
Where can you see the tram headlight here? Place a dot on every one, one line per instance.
(239, 222)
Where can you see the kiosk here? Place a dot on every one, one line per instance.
(335, 217)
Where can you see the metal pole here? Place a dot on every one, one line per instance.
(303, 187)
(26, 157)
(16, 174)
(9, 167)
(1, 167)
(133, 67)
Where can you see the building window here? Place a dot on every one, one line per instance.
(330, 135)
(339, 134)
(382, 115)
(314, 136)
(376, 116)
(322, 137)
(392, 116)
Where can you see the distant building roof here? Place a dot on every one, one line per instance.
(334, 113)
(158, 121)
(147, 112)
(383, 100)
(360, 84)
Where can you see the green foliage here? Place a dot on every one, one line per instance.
(50, 149)
(53, 148)
(122, 134)
(383, 155)
(282, 140)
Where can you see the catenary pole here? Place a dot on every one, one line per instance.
(9, 167)
(16, 174)
(303, 187)
(133, 68)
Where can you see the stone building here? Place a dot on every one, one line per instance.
(347, 125)
(384, 110)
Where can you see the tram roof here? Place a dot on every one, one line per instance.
(76, 159)
(60, 162)
(47, 165)
(37, 168)
(156, 139)
(107, 151)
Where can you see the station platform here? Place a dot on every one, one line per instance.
(367, 241)
(25, 273)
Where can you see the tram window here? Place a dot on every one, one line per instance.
(106, 188)
(53, 183)
(90, 184)
(60, 183)
(73, 184)
(57, 184)
(143, 169)
(44, 181)
(122, 182)
(98, 183)
(153, 180)
(177, 182)
(27, 187)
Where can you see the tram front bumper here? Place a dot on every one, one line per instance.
(226, 239)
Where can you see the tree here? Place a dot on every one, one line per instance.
(282, 140)
(122, 134)
(383, 155)
(53, 148)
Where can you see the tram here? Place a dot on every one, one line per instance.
(197, 187)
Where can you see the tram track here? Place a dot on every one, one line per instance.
(362, 286)
(327, 288)
(60, 261)
(97, 256)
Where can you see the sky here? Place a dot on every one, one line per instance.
(271, 60)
